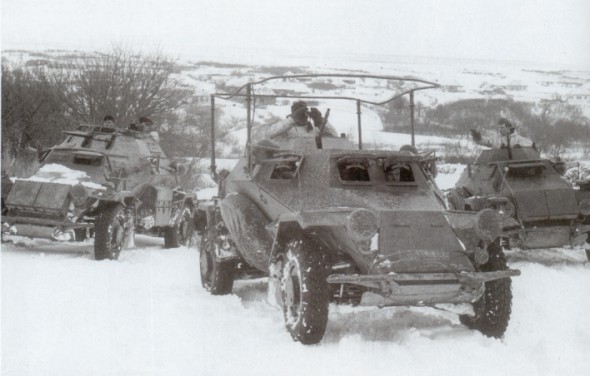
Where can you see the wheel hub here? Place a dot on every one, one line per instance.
(291, 290)
(205, 264)
(183, 229)
(289, 293)
(118, 236)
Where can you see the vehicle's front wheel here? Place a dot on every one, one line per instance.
(217, 276)
(492, 310)
(110, 230)
(181, 232)
(305, 292)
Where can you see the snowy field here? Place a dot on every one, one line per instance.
(146, 314)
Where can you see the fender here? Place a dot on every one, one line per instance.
(247, 225)
(302, 224)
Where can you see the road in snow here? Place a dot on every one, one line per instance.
(146, 314)
(65, 314)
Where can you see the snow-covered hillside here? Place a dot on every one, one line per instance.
(146, 314)
(459, 78)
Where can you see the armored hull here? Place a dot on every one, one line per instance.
(329, 222)
(94, 174)
(540, 208)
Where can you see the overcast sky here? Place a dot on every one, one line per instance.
(548, 31)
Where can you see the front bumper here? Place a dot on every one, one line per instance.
(41, 227)
(418, 289)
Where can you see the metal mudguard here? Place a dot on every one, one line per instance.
(247, 226)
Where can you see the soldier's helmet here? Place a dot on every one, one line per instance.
(145, 124)
(108, 120)
(507, 124)
(299, 112)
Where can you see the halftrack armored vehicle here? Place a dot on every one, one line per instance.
(327, 221)
(105, 182)
(540, 209)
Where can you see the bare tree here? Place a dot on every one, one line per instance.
(187, 134)
(557, 125)
(186, 138)
(39, 102)
(120, 83)
(32, 115)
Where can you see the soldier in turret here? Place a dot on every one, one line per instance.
(108, 121)
(302, 122)
(505, 137)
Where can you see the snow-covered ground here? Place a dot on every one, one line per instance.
(62, 313)
(146, 314)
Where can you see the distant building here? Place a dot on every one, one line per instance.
(202, 97)
(514, 86)
(453, 88)
(286, 76)
(578, 97)
(265, 100)
(569, 84)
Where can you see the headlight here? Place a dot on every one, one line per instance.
(488, 225)
(362, 224)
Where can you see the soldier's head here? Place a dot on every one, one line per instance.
(108, 121)
(397, 172)
(144, 120)
(145, 124)
(392, 173)
(506, 127)
(299, 112)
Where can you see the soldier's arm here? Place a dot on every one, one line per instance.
(280, 128)
(479, 139)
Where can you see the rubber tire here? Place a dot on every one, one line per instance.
(305, 309)
(217, 277)
(173, 235)
(492, 310)
(111, 220)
